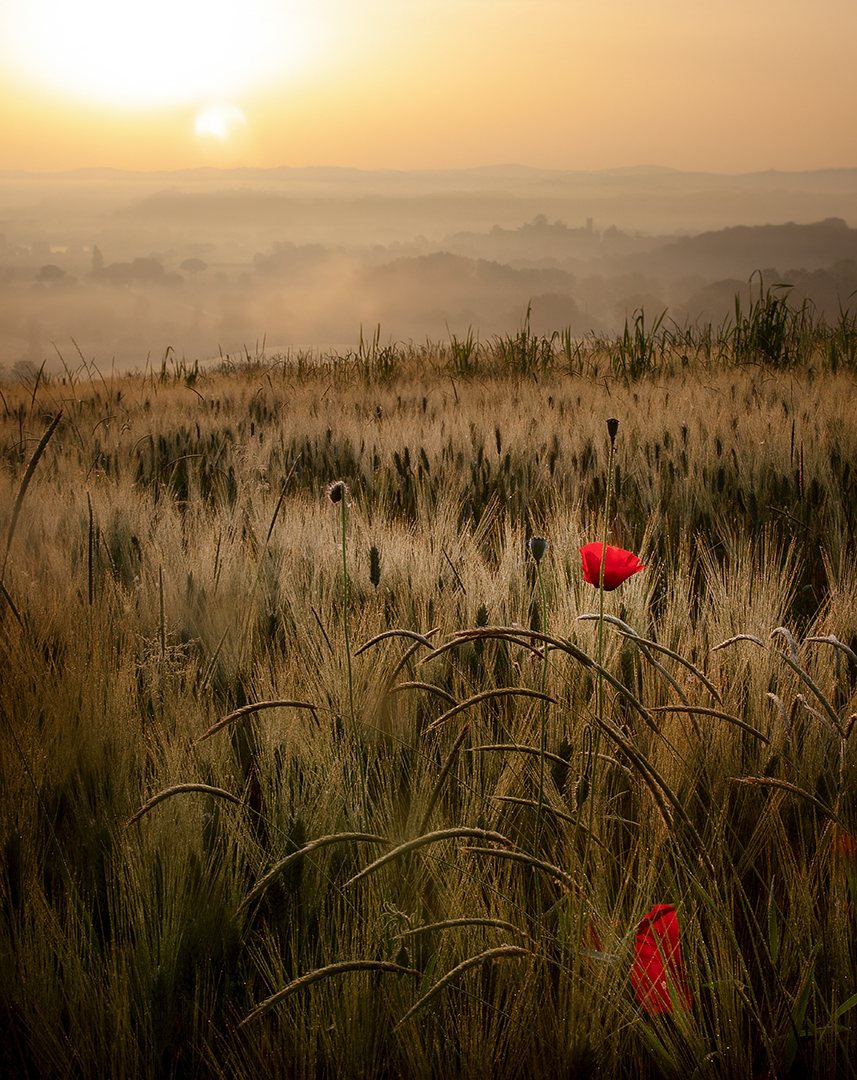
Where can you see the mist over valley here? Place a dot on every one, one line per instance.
(120, 268)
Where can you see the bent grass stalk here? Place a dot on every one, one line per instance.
(525, 638)
(702, 710)
(180, 789)
(523, 857)
(454, 924)
(501, 952)
(429, 838)
(799, 671)
(445, 694)
(323, 841)
(502, 691)
(662, 794)
(311, 977)
(248, 710)
(645, 645)
(785, 868)
(560, 815)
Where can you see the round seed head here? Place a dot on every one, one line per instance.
(537, 546)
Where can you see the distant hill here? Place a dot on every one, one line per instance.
(442, 293)
(312, 202)
(312, 255)
(740, 250)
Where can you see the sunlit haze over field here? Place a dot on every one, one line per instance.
(201, 178)
(428, 501)
(570, 84)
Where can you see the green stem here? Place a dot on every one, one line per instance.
(544, 622)
(600, 684)
(358, 742)
(601, 580)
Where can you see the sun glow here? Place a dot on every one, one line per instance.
(219, 121)
(161, 53)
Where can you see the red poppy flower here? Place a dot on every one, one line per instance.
(618, 565)
(658, 967)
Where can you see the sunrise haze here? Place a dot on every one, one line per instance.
(732, 87)
(199, 178)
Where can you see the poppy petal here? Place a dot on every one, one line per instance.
(658, 965)
(619, 565)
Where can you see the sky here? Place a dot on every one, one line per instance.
(727, 87)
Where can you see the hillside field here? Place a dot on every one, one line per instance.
(315, 764)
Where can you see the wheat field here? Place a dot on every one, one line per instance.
(311, 769)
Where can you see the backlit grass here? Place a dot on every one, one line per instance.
(427, 851)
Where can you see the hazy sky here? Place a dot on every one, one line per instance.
(579, 84)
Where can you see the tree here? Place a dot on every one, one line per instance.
(25, 370)
(193, 266)
(49, 273)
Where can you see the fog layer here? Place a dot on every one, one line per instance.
(125, 268)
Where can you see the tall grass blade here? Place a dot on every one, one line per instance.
(22, 490)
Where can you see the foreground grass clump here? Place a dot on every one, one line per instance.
(304, 786)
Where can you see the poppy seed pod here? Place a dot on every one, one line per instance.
(537, 546)
(612, 428)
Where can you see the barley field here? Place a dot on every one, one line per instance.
(318, 762)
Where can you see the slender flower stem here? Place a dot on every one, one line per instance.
(358, 742)
(601, 577)
(537, 546)
(544, 622)
(612, 426)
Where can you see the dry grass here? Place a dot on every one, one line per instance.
(181, 652)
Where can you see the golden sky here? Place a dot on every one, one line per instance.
(403, 84)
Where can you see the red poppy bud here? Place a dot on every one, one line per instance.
(619, 565)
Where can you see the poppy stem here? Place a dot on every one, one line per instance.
(542, 743)
(358, 742)
(612, 426)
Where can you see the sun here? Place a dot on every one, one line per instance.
(158, 53)
(219, 121)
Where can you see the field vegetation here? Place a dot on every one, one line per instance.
(315, 763)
